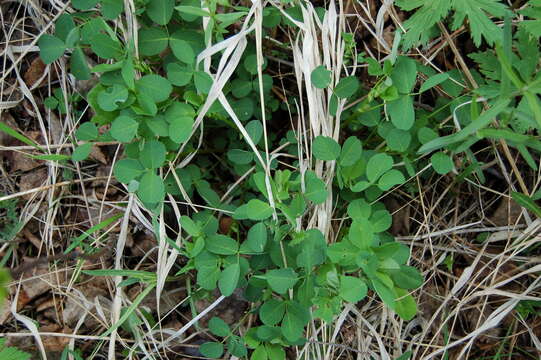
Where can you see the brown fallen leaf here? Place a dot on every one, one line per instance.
(5, 139)
(55, 343)
(507, 213)
(98, 155)
(34, 72)
(34, 179)
(22, 161)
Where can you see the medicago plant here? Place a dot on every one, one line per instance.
(191, 91)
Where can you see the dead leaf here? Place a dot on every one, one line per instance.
(84, 297)
(34, 72)
(37, 279)
(401, 217)
(22, 161)
(98, 155)
(507, 213)
(34, 179)
(5, 139)
(55, 343)
(225, 224)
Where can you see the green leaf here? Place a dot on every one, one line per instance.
(110, 98)
(240, 157)
(126, 170)
(346, 87)
(272, 312)
(359, 209)
(153, 154)
(255, 209)
(391, 178)
(158, 125)
(313, 249)
(404, 74)
(267, 333)
(478, 21)
(179, 75)
(385, 294)
(321, 77)
(241, 88)
(180, 128)
(527, 203)
(12, 353)
(151, 188)
(81, 152)
(160, 11)
(402, 112)
(17, 135)
(325, 148)
(250, 64)
(405, 305)
(316, 191)
(50, 102)
(203, 82)
(229, 278)
(219, 327)
(244, 108)
(105, 47)
(156, 87)
(426, 134)
(212, 350)
(192, 10)
(275, 352)
(221, 245)
(50, 48)
(179, 109)
(442, 163)
(425, 18)
(255, 129)
(381, 220)
(378, 165)
(352, 289)
(482, 121)
(292, 327)
(257, 237)
(63, 26)
(152, 41)
(190, 226)
(433, 81)
(236, 347)
(124, 128)
(84, 4)
(128, 73)
(182, 50)
(227, 19)
(260, 353)
(407, 277)
(87, 131)
(111, 8)
(361, 233)
(351, 151)
(398, 140)
(148, 106)
(78, 65)
(281, 280)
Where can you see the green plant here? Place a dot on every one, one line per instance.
(149, 99)
(9, 225)
(12, 353)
